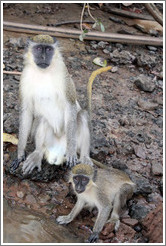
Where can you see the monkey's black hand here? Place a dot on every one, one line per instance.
(93, 237)
(71, 161)
(15, 164)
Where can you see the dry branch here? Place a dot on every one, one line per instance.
(128, 14)
(12, 72)
(71, 22)
(153, 10)
(70, 33)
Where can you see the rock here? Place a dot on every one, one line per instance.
(44, 198)
(143, 186)
(10, 123)
(30, 199)
(154, 197)
(126, 149)
(119, 46)
(122, 57)
(153, 225)
(130, 222)
(147, 104)
(139, 152)
(90, 51)
(105, 51)
(114, 69)
(94, 46)
(20, 194)
(109, 48)
(125, 233)
(157, 168)
(142, 137)
(102, 44)
(119, 165)
(152, 48)
(145, 60)
(17, 42)
(138, 211)
(137, 228)
(108, 228)
(144, 83)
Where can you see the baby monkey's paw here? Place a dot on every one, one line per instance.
(93, 237)
(115, 221)
(63, 220)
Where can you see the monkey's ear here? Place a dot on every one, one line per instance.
(55, 40)
(29, 41)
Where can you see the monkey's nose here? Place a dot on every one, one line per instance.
(79, 190)
(43, 56)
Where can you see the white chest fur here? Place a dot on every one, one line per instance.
(44, 89)
(89, 197)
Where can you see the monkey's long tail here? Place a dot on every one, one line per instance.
(89, 86)
(99, 164)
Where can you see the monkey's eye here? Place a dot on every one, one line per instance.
(48, 48)
(76, 179)
(85, 180)
(38, 48)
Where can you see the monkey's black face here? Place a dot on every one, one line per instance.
(80, 182)
(43, 55)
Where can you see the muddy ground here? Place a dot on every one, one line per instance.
(127, 120)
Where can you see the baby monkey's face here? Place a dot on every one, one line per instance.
(80, 183)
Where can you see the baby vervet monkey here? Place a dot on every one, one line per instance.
(106, 189)
(50, 111)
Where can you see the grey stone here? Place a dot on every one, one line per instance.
(122, 57)
(157, 168)
(139, 152)
(138, 211)
(147, 104)
(144, 83)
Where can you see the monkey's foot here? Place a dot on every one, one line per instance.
(71, 161)
(15, 164)
(114, 220)
(86, 160)
(93, 237)
(63, 220)
(32, 161)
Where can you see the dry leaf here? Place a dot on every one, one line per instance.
(10, 138)
(87, 26)
(145, 25)
(100, 61)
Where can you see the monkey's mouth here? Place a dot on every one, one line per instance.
(80, 191)
(43, 65)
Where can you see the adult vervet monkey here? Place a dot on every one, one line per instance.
(50, 110)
